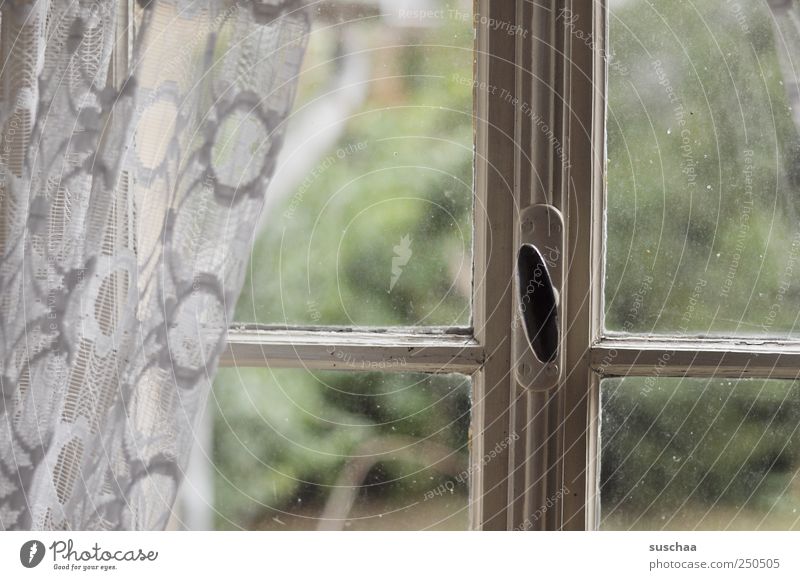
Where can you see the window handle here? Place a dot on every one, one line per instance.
(537, 334)
(538, 303)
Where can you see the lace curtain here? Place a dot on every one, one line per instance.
(132, 172)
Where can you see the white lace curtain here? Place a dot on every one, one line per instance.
(132, 171)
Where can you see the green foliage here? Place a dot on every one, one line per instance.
(402, 167)
(401, 170)
(282, 438)
(686, 204)
(675, 450)
(702, 198)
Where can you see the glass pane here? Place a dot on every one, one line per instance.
(708, 454)
(703, 168)
(296, 450)
(368, 219)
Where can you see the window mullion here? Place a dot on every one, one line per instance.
(582, 100)
(492, 304)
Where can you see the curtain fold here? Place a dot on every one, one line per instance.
(128, 202)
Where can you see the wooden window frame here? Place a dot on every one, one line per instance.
(542, 472)
(536, 443)
(545, 475)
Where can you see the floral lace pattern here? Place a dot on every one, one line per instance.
(132, 176)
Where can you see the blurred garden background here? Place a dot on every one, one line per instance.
(368, 223)
(703, 180)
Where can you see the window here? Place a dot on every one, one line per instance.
(701, 278)
(369, 343)
(647, 152)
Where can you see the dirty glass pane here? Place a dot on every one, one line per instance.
(368, 219)
(703, 235)
(707, 454)
(302, 450)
